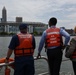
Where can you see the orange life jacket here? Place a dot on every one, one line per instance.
(25, 47)
(53, 37)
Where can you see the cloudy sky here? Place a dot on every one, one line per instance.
(41, 11)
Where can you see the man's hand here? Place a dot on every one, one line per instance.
(7, 60)
(38, 56)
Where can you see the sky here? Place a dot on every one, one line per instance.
(41, 11)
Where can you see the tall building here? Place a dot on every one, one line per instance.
(13, 26)
(4, 15)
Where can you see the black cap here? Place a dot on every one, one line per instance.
(22, 26)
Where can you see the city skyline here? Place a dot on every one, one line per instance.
(41, 11)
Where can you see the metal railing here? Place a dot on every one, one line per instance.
(35, 58)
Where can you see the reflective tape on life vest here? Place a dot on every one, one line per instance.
(53, 37)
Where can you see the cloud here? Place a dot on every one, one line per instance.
(41, 10)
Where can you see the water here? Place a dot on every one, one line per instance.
(40, 65)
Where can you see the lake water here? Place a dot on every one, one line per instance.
(40, 65)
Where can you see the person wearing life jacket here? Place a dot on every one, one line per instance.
(71, 52)
(23, 49)
(52, 38)
(23, 45)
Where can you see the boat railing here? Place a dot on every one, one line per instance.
(35, 58)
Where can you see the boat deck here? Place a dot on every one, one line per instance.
(2, 65)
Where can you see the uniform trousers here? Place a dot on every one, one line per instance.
(54, 60)
(24, 65)
(74, 66)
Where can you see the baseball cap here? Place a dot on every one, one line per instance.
(22, 26)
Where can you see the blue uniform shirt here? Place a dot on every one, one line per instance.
(62, 33)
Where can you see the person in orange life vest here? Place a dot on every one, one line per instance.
(71, 52)
(52, 38)
(23, 45)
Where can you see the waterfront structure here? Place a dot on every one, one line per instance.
(12, 26)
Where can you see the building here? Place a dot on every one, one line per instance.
(12, 26)
(18, 19)
(4, 15)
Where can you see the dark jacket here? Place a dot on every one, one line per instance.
(71, 49)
